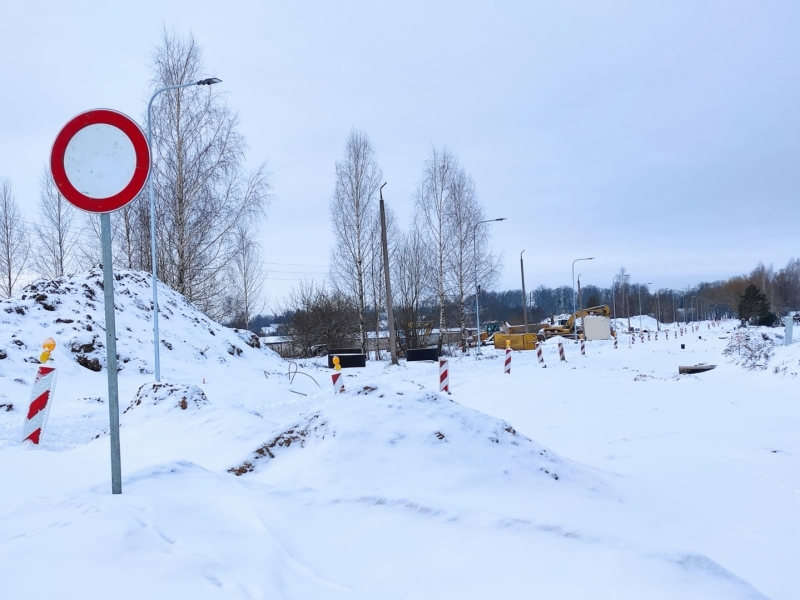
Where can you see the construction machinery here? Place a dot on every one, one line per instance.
(415, 336)
(571, 326)
(489, 329)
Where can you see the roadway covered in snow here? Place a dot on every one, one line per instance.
(605, 476)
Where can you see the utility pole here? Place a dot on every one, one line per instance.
(389, 310)
(658, 309)
(524, 297)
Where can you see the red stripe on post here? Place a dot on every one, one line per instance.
(34, 436)
(38, 405)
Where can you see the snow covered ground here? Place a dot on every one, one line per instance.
(605, 476)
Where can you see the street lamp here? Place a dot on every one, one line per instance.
(475, 259)
(640, 304)
(701, 309)
(574, 297)
(154, 280)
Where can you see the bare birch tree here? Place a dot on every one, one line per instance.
(130, 235)
(432, 203)
(353, 215)
(247, 276)
(470, 257)
(202, 191)
(411, 284)
(14, 241)
(89, 252)
(56, 232)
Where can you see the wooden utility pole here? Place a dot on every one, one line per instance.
(389, 310)
(524, 297)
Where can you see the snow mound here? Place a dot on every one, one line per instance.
(390, 436)
(168, 397)
(71, 310)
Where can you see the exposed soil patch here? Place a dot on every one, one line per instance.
(313, 427)
(90, 363)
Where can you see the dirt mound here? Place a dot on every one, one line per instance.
(172, 396)
(389, 434)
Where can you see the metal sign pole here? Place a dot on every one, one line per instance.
(99, 175)
(111, 353)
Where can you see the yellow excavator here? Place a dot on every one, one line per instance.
(568, 327)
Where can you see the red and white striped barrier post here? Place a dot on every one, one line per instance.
(41, 396)
(615, 342)
(632, 339)
(444, 376)
(648, 336)
(656, 334)
(641, 337)
(507, 368)
(338, 380)
(667, 333)
(561, 355)
(583, 347)
(539, 354)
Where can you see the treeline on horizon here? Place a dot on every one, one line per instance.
(717, 299)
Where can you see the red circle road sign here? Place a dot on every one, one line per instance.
(100, 160)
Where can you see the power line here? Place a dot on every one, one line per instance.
(292, 264)
(289, 279)
(300, 272)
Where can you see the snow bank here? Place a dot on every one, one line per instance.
(395, 438)
(71, 310)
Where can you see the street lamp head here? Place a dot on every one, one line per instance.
(209, 81)
(501, 219)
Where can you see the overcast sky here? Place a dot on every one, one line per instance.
(662, 136)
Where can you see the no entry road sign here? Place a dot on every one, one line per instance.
(100, 160)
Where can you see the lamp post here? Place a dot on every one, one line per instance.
(475, 259)
(675, 304)
(640, 304)
(691, 304)
(574, 298)
(154, 280)
(702, 309)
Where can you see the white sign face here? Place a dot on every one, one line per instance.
(100, 161)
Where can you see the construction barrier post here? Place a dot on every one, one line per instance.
(583, 347)
(507, 368)
(615, 343)
(561, 355)
(444, 376)
(338, 380)
(41, 396)
(539, 354)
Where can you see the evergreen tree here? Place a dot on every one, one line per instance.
(752, 303)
